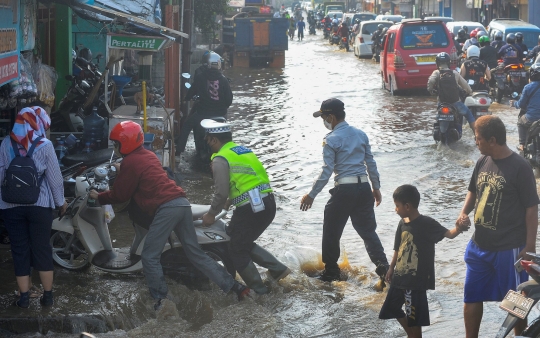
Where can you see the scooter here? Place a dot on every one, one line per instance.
(447, 129)
(518, 306)
(334, 39)
(510, 79)
(478, 103)
(531, 151)
(312, 29)
(81, 237)
(344, 43)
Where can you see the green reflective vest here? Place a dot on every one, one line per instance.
(245, 170)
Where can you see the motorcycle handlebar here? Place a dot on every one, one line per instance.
(219, 216)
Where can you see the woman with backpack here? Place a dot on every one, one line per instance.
(32, 186)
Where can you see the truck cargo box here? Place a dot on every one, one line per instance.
(258, 34)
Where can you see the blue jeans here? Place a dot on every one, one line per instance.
(463, 110)
(355, 201)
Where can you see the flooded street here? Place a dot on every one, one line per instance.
(272, 114)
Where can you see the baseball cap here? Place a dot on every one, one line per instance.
(329, 106)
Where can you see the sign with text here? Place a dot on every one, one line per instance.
(237, 3)
(9, 69)
(137, 42)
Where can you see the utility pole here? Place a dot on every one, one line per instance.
(187, 27)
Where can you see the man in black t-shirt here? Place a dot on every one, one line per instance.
(412, 270)
(503, 194)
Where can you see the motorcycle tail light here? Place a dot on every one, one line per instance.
(445, 110)
(514, 66)
(482, 101)
(343, 39)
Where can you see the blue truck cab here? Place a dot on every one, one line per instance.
(506, 26)
(256, 38)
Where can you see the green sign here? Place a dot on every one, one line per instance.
(148, 43)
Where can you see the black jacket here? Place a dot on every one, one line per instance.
(489, 54)
(214, 91)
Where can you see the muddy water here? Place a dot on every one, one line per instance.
(271, 114)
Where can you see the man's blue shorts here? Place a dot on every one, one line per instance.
(490, 274)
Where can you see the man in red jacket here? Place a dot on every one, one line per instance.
(143, 179)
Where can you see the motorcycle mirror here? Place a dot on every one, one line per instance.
(471, 82)
(515, 95)
(186, 75)
(188, 85)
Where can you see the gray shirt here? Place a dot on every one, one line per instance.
(220, 170)
(346, 152)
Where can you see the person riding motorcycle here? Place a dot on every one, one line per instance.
(215, 97)
(448, 91)
(510, 53)
(376, 38)
(535, 52)
(459, 40)
(488, 53)
(520, 44)
(498, 43)
(204, 64)
(529, 103)
(472, 41)
(335, 23)
(476, 69)
(141, 177)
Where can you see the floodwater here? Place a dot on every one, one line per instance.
(272, 114)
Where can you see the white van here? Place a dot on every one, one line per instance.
(362, 42)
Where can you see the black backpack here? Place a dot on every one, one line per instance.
(21, 184)
(448, 87)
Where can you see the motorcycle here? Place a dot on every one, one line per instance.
(519, 306)
(335, 39)
(327, 30)
(478, 103)
(509, 79)
(447, 129)
(81, 237)
(376, 52)
(531, 150)
(344, 43)
(312, 29)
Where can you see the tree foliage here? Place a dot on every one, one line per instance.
(206, 11)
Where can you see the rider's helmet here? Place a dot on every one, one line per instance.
(465, 28)
(356, 20)
(214, 61)
(484, 39)
(498, 36)
(511, 38)
(129, 135)
(385, 29)
(519, 37)
(461, 34)
(473, 51)
(86, 54)
(442, 59)
(480, 33)
(473, 33)
(380, 27)
(534, 72)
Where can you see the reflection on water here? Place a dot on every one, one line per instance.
(272, 114)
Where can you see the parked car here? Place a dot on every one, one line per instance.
(455, 26)
(506, 26)
(441, 18)
(409, 51)
(362, 42)
(393, 18)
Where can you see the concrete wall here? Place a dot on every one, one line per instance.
(460, 12)
(534, 13)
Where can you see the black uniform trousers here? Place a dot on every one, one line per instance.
(244, 229)
(355, 201)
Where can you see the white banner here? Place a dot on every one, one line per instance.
(237, 3)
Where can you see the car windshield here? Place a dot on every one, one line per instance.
(394, 18)
(364, 17)
(424, 36)
(369, 28)
(529, 38)
(469, 28)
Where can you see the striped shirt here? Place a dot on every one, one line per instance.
(52, 187)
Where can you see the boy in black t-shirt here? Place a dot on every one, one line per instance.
(412, 270)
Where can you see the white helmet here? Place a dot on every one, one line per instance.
(214, 61)
(473, 51)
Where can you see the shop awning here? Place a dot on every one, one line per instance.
(101, 14)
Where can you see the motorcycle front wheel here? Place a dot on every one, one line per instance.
(220, 253)
(533, 330)
(68, 251)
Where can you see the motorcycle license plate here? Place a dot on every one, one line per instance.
(518, 74)
(442, 117)
(499, 75)
(517, 304)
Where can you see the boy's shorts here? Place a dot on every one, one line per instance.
(490, 274)
(416, 306)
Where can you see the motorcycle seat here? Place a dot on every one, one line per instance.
(199, 210)
(91, 159)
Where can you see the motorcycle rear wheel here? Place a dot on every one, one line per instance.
(533, 330)
(73, 258)
(499, 95)
(220, 253)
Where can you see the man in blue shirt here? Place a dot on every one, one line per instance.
(301, 25)
(347, 153)
(530, 104)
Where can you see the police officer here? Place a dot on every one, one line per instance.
(347, 153)
(476, 69)
(241, 180)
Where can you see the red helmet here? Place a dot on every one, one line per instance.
(130, 136)
(474, 32)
